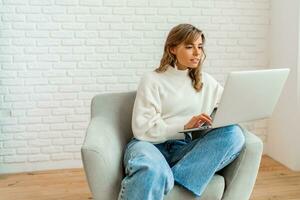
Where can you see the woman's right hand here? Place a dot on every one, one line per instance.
(198, 121)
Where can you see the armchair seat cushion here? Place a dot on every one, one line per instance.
(214, 191)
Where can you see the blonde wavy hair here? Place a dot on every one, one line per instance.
(187, 34)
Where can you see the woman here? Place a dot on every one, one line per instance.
(176, 96)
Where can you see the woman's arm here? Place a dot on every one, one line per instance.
(147, 121)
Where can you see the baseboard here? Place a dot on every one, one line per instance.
(30, 167)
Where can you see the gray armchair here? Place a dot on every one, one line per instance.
(110, 130)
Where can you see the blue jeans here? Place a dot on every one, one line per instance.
(152, 169)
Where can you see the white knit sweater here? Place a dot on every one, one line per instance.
(166, 101)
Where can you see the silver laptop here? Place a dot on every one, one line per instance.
(247, 95)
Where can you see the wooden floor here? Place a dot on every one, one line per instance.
(274, 182)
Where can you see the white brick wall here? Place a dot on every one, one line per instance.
(55, 55)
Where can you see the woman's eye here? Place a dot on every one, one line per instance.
(188, 47)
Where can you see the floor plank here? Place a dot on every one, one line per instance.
(67, 184)
(274, 182)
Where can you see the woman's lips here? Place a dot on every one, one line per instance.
(195, 60)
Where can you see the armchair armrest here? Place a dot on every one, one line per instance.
(101, 156)
(241, 174)
(106, 136)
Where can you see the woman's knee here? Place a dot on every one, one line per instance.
(234, 136)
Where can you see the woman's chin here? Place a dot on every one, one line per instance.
(193, 66)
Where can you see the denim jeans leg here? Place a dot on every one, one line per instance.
(207, 155)
(148, 175)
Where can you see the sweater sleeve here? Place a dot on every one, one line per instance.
(213, 97)
(219, 91)
(147, 122)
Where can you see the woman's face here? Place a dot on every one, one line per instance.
(188, 55)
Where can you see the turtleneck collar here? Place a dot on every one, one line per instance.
(174, 70)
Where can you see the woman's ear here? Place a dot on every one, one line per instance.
(173, 50)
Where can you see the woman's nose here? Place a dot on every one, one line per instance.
(197, 51)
